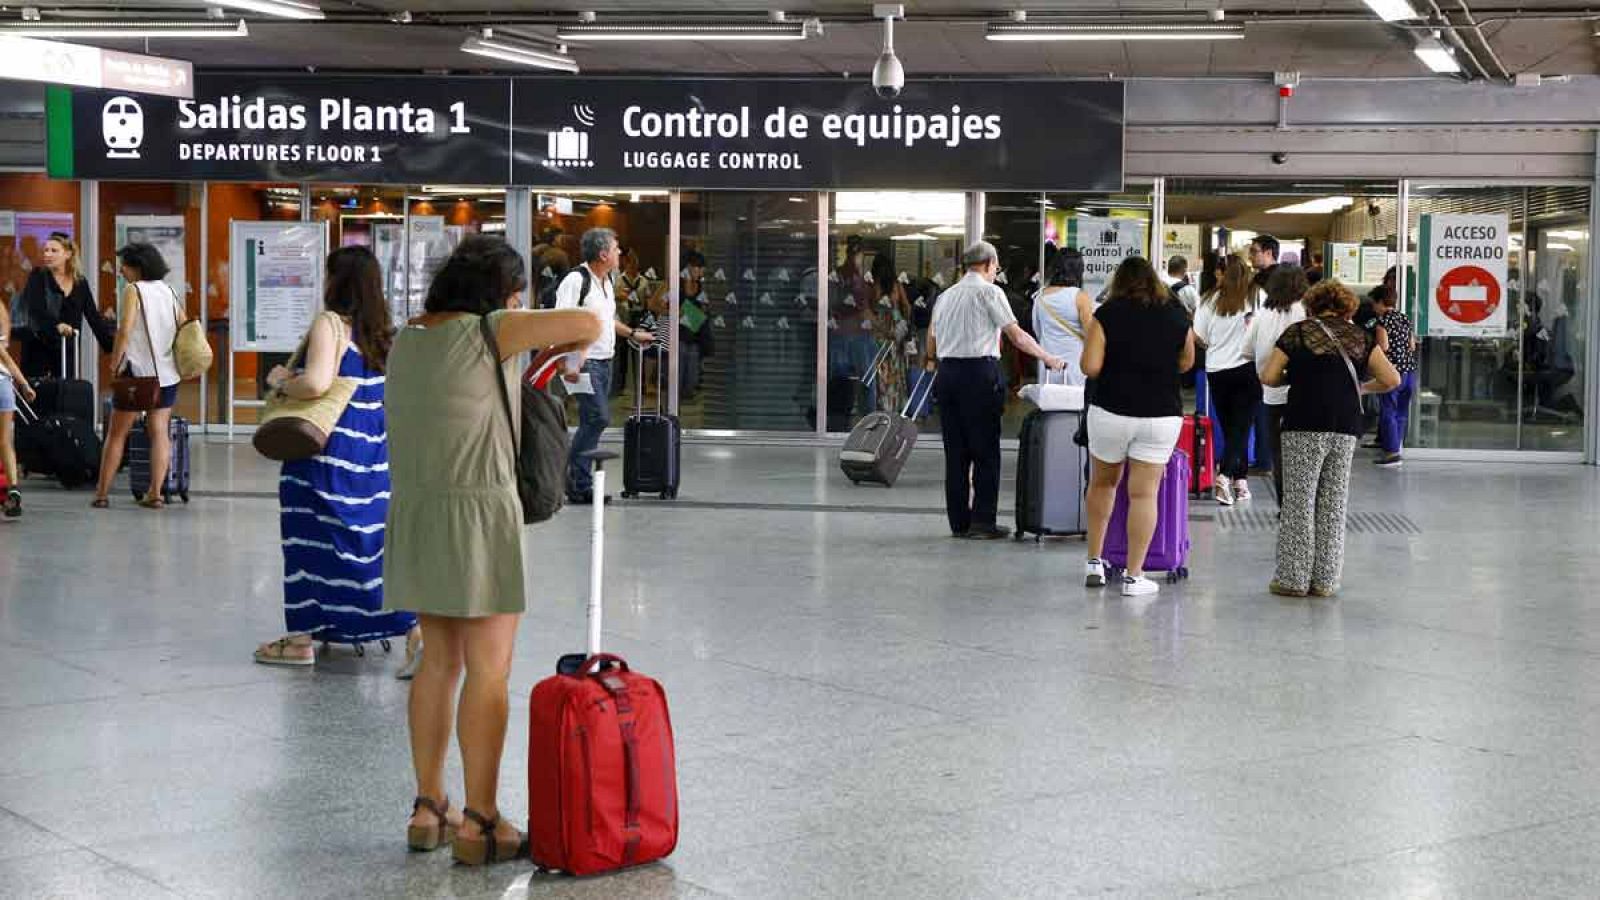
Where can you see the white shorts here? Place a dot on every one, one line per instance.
(1115, 439)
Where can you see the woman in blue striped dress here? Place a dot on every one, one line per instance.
(334, 504)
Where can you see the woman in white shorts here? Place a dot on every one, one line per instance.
(1137, 346)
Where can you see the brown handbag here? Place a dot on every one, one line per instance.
(137, 393)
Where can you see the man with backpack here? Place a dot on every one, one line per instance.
(589, 287)
(1179, 284)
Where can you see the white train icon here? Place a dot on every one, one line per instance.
(122, 122)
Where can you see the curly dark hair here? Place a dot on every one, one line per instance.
(1330, 297)
(146, 259)
(478, 277)
(355, 288)
(1285, 286)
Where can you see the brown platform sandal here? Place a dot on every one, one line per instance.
(486, 849)
(427, 838)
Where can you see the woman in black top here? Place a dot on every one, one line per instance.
(1330, 363)
(53, 305)
(1136, 347)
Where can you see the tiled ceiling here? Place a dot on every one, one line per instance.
(1319, 38)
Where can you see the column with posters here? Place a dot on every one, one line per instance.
(1184, 241)
(166, 234)
(1342, 262)
(1104, 243)
(431, 245)
(1463, 270)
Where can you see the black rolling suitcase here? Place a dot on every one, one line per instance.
(880, 444)
(56, 436)
(138, 456)
(652, 443)
(1050, 477)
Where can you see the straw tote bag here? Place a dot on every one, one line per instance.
(293, 429)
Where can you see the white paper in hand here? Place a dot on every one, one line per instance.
(584, 385)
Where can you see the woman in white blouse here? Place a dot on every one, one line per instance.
(1060, 312)
(149, 324)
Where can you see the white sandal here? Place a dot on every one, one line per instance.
(277, 653)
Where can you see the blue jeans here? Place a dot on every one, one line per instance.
(594, 414)
(1394, 412)
(850, 355)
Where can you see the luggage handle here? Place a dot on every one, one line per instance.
(592, 663)
(926, 387)
(661, 358)
(64, 340)
(885, 349)
(543, 368)
(22, 406)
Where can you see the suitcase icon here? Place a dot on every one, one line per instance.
(569, 144)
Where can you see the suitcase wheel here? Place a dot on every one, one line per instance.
(185, 496)
(669, 495)
(386, 645)
(627, 495)
(361, 649)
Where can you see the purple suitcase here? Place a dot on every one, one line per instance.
(1169, 547)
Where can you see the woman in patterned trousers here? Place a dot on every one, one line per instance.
(1328, 363)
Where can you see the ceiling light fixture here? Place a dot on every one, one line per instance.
(287, 9)
(1436, 56)
(115, 29)
(1319, 207)
(1393, 10)
(518, 52)
(1119, 31)
(750, 31)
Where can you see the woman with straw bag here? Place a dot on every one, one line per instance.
(325, 420)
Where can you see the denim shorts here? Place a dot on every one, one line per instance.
(8, 394)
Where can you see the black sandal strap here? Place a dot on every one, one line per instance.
(488, 825)
(428, 804)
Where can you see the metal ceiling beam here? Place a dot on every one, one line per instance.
(1477, 32)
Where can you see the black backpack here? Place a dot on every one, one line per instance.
(547, 294)
(541, 459)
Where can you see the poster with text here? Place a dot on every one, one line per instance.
(1104, 243)
(430, 247)
(277, 283)
(1463, 266)
(33, 228)
(386, 246)
(1184, 241)
(1375, 264)
(1344, 262)
(166, 234)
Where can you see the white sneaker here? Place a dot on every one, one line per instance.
(1138, 586)
(1094, 573)
(1242, 491)
(1223, 492)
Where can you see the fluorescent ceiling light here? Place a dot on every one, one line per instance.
(1559, 247)
(1436, 56)
(1322, 206)
(287, 9)
(460, 190)
(1572, 235)
(753, 31)
(1393, 10)
(519, 53)
(948, 230)
(912, 237)
(1114, 31)
(131, 28)
(917, 209)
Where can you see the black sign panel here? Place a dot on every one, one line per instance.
(602, 132)
(715, 133)
(364, 130)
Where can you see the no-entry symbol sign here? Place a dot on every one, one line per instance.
(1463, 263)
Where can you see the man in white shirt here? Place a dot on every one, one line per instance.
(589, 286)
(964, 337)
(1178, 282)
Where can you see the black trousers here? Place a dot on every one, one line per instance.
(971, 399)
(1237, 393)
(1275, 413)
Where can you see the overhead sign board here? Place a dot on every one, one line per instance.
(1463, 263)
(29, 59)
(609, 132)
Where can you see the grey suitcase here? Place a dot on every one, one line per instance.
(880, 444)
(1050, 476)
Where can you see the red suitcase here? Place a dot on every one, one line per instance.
(1199, 429)
(602, 782)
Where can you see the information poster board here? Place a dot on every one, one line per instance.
(166, 234)
(1463, 265)
(276, 283)
(430, 247)
(1184, 241)
(8, 223)
(1343, 262)
(1374, 263)
(1104, 243)
(387, 247)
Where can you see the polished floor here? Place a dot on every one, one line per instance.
(864, 707)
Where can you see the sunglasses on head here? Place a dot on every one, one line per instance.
(59, 236)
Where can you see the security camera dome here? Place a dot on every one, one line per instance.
(888, 76)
